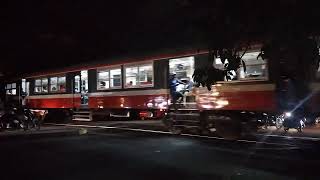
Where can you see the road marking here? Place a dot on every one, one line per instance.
(290, 137)
(164, 132)
(277, 148)
(239, 140)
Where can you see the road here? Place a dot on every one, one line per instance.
(111, 154)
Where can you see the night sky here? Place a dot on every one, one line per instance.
(38, 35)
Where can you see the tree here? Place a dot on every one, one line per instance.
(284, 28)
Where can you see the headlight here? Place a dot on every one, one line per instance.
(288, 114)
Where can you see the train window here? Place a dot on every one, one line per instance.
(131, 76)
(24, 86)
(58, 84)
(110, 78)
(41, 85)
(146, 75)
(11, 89)
(139, 76)
(37, 86)
(44, 85)
(54, 84)
(103, 80)
(8, 86)
(62, 84)
(115, 78)
(255, 68)
(77, 84)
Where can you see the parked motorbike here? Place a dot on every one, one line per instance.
(267, 120)
(19, 118)
(12, 118)
(1, 123)
(30, 120)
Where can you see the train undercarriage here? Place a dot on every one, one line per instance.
(230, 124)
(227, 124)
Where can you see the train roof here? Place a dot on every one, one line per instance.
(104, 62)
(118, 60)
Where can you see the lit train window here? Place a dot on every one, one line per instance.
(58, 84)
(54, 84)
(139, 76)
(109, 78)
(145, 75)
(11, 89)
(37, 86)
(131, 76)
(44, 85)
(115, 78)
(41, 85)
(255, 68)
(8, 86)
(77, 84)
(25, 87)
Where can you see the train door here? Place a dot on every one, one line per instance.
(81, 87)
(183, 68)
(84, 88)
(25, 85)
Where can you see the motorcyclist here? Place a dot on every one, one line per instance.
(173, 83)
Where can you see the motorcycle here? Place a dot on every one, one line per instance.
(290, 121)
(1, 123)
(12, 119)
(30, 120)
(267, 120)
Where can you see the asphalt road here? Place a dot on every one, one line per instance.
(102, 154)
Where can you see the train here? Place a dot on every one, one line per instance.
(137, 88)
(132, 88)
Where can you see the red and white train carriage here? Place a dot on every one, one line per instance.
(138, 87)
(131, 88)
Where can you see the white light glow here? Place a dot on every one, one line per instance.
(207, 106)
(288, 114)
(222, 102)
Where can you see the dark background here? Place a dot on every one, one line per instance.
(39, 35)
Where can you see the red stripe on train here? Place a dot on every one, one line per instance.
(137, 102)
(54, 103)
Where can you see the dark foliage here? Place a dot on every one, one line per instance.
(209, 75)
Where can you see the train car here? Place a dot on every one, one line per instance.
(255, 95)
(134, 88)
(137, 88)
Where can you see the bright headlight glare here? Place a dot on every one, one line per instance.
(288, 114)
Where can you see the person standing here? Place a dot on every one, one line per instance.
(173, 83)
